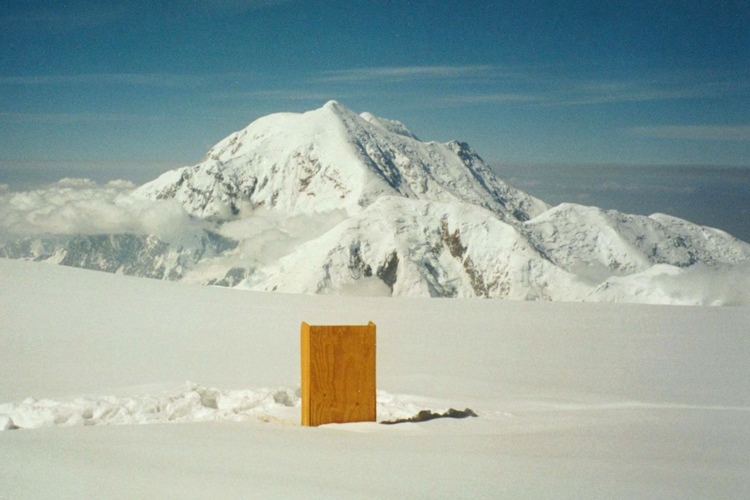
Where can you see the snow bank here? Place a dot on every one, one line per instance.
(193, 403)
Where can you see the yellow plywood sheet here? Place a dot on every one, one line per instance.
(338, 373)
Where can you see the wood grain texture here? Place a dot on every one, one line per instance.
(338, 373)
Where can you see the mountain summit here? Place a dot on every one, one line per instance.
(331, 201)
(330, 159)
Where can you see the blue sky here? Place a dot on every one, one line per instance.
(127, 89)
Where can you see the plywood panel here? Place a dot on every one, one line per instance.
(338, 373)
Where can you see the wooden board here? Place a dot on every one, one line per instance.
(338, 373)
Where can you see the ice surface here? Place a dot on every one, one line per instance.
(575, 400)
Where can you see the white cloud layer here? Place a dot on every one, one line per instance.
(81, 206)
(403, 73)
(267, 236)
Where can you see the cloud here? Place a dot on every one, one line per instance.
(81, 206)
(722, 285)
(267, 236)
(670, 186)
(282, 94)
(62, 118)
(135, 79)
(637, 90)
(495, 98)
(541, 85)
(403, 73)
(537, 86)
(697, 285)
(562, 92)
(695, 132)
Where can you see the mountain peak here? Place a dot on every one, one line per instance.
(334, 104)
(337, 109)
(332, 158)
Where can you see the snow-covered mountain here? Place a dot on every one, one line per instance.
(131, 254)
(330, 159)
(330, 201)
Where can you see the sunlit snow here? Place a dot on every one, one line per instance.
(574, 400)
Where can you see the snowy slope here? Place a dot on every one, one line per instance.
(574, 400)
(428, 249)
(433, 249)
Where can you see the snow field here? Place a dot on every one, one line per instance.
(575, 400)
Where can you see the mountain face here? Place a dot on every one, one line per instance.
(330, 201)
(330, 159)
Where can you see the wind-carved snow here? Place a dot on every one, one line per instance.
(334, 202)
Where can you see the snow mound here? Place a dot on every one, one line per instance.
(192, 403)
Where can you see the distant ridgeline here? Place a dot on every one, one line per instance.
(330, 201)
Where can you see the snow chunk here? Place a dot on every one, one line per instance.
(194, 403)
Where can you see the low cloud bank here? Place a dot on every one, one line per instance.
(81, 206)
(697, 285)
(266, 235)
(724, 285)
